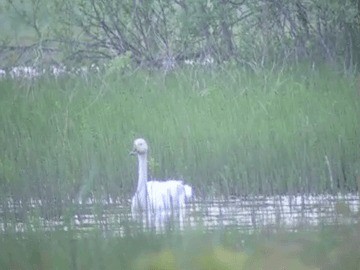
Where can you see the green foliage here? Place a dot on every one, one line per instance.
(329, 248)
(119, 65)
(228, 132)
(249, 32)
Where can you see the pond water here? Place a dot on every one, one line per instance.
(245, 214)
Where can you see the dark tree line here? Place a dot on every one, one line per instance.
(166, 33)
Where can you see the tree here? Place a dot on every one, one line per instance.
(161, 33)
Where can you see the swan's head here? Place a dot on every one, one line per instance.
(140, 147)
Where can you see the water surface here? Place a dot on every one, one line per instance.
(245, 214)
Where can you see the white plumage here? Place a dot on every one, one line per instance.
(157, 200)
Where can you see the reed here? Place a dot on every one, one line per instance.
(226, 131)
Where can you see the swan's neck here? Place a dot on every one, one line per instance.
(141, 188)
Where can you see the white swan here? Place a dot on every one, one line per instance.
(158, 200)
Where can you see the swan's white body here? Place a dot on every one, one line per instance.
(157, 201)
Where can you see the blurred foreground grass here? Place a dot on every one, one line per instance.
(329, 248)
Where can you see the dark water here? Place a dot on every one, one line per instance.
(244, 214)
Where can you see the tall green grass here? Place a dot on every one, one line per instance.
(225, 131)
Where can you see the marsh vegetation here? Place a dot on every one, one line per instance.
(230, 132)
(227, 132)
(255, 104)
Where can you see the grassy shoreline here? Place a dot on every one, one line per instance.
(226, 132)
